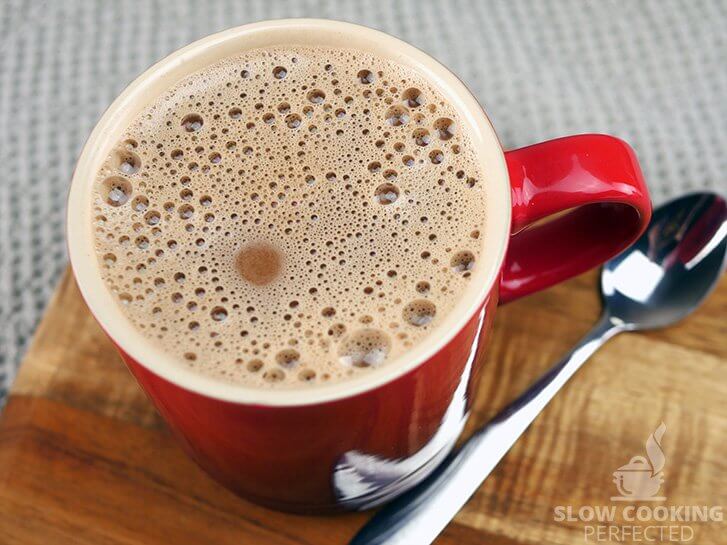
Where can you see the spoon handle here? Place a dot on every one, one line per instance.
(419, 515)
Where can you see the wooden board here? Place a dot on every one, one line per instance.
(84, 459)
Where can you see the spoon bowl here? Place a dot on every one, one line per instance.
(672, 268)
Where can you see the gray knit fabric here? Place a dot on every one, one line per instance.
(651, 72)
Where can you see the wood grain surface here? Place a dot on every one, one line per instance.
(84, 458)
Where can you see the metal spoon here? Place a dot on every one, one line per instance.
(658, 281)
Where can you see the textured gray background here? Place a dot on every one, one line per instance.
(651, 72)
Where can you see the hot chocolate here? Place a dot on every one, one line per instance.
(292, 216)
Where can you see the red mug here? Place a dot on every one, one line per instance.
(554, 210)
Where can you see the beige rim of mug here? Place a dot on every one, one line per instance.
(167, 72)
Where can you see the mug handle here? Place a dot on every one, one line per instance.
(576, 202)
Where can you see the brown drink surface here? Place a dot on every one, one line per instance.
(291, 217)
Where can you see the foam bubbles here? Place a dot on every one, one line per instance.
(366, 77)
(219, 314)
(364, 348)
(307, 375)
(128, 162)
(316, 96)
(445, 128)
(254, 365)
(397, 116)
(284, 223)
(292, 121)
(280, 72)
(412, 97)
(274, 375)
(192, 122)
(463, 261)
(436, 157)
(390, 175)
(116, 190)
(386, 193)
(186, 211)
(287, 358)
(421, 137)
(419, 312)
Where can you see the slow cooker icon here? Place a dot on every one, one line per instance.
(642, 477)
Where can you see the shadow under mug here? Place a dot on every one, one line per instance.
(556, 209)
